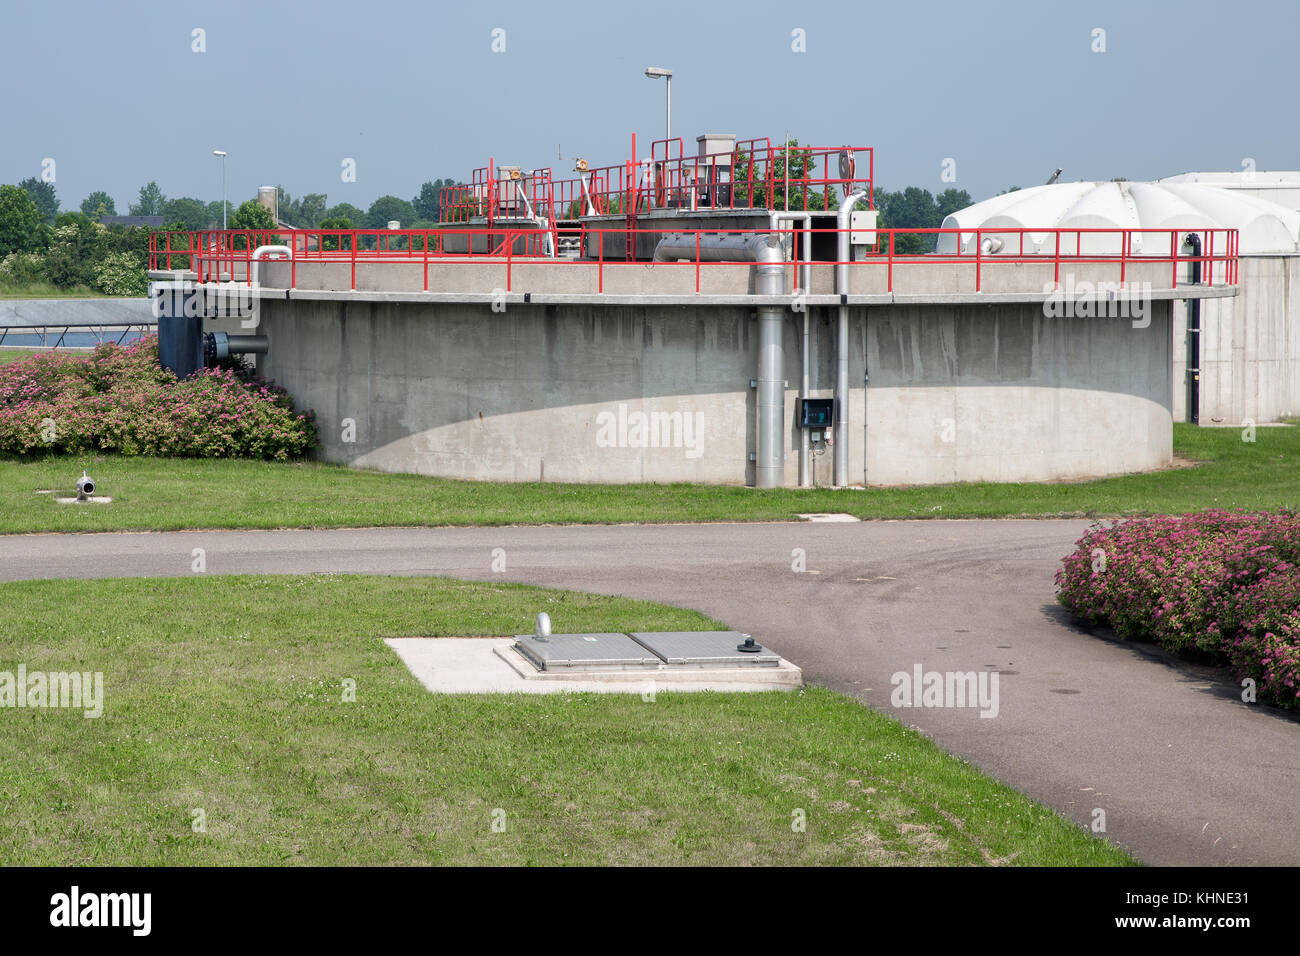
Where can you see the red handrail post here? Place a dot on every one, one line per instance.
(697, 260)
(890, 283)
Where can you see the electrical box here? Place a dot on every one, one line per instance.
(862, 227)
(818, 413)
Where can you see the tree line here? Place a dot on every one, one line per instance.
(41, 245)
(306, 212)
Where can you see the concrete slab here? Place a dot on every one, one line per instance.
(474, 665)
(830, 517)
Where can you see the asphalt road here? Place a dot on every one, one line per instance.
(1185, 772)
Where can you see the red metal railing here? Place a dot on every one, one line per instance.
(218, 255)
(754, 175)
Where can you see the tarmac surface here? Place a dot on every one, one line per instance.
(1185, 772)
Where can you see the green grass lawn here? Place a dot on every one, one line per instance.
(225, 695)
(163, 494)
(13, 355)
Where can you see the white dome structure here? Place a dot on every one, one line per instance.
(1263, 227)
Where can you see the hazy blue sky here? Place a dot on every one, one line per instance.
(412, 91)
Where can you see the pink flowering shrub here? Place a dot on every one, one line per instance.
(120, 399)
(1226, 584)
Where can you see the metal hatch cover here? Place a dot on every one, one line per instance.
(704, 649)
(585, 652)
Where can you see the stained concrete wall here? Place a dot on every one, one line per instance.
(552, 392)
(1250, 346)
(1004, 393)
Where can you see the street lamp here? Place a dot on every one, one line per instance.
(222, 154)
(654, 72)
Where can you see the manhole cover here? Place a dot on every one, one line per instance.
(585, 652)
(704, 649)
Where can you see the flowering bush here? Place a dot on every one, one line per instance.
(121, 399)
(121, 273)
(21, 269)
(1223, 583)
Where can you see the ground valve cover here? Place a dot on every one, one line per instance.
(644, 650)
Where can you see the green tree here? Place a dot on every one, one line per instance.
(428, 204)
(20, 222)
(306, 212)
(79, 246)
(98, 203)
(251, 214)
(950, 201)
(310, 211)
(191, 214)
(332, 243)
(387, 208)
(151, 201)
(42, 194)
(345, 210)
(214, 214)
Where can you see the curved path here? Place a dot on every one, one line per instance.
(1185, 772)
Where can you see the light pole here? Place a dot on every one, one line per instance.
(222, 154)
(654, 72)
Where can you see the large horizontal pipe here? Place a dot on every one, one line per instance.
(220, 345)
(723, 247)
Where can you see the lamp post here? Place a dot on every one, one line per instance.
(222, 154)
(654, 72)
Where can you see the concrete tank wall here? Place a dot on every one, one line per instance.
(1250, 346)
(1004, 393)
(553, 392)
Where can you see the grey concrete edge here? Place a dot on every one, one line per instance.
(701, 298)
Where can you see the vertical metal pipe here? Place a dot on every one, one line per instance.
(769, 470)
(805, 445)
(841, 477)
(669, 119)
(1194, 337)
(804, 280)
(768, 255)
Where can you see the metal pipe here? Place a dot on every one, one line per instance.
(841, 477)
(768, 255)
(220, 345)
(769, 470)
(265, 251)
(723, 247)
(1194, 337)
(805, 280)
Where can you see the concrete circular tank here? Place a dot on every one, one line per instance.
(1027, 348)
(646, 392)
